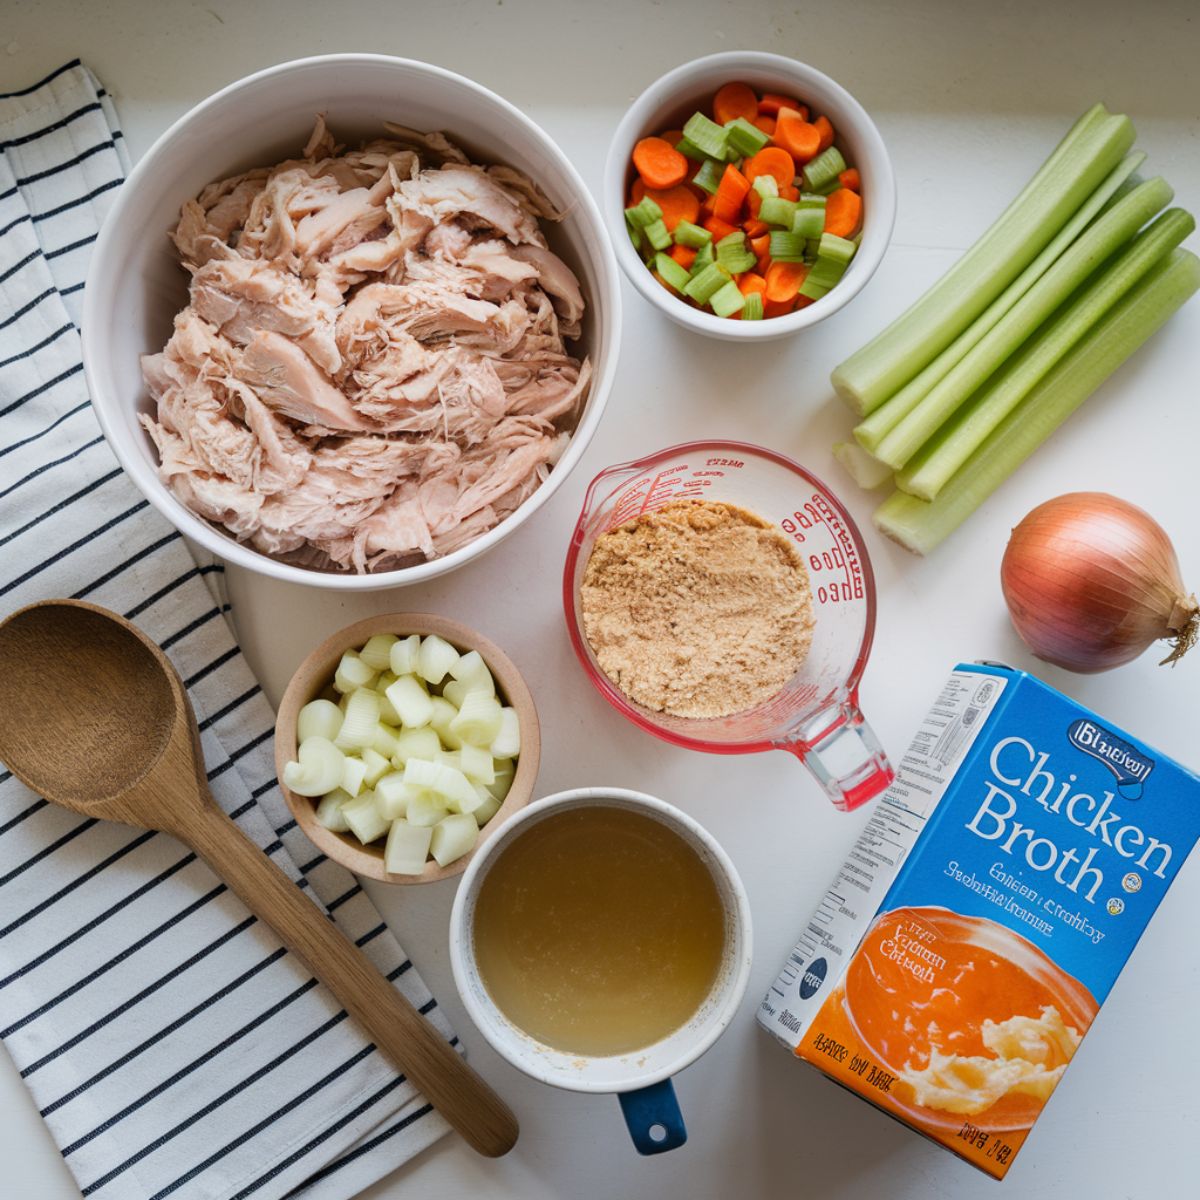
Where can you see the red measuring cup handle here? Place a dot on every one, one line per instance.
(842, 751)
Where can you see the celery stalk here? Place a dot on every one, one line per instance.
(920, 526)
(937, 463)
(1103, 238)
(869, 473)
(871, 430)
(1092, 148)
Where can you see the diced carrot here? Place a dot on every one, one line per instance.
(826, 132)
(731, 191)
(778, 308)
(672, 136)
(684, 256)
(664, 283)
(735, 100)
(678, 204)
(765, 123)
(719, 228)
(843, 211)
(706, 206)
(755, 228)
(772, 102)
(791, 192)
(851, 179)
(773, 161)
(761, 246)
(784, 280)
(796, 136)
(636, 191)
(750, 282)
(659, 163)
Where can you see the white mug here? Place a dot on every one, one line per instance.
(641, 1079)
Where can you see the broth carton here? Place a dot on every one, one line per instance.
(961, 954)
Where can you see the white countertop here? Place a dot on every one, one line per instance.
(969, 98)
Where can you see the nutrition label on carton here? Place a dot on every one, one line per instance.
(925, 771)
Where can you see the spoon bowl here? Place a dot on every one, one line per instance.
(94, 717)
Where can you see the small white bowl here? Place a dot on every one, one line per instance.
(669, 101)
(135, 285)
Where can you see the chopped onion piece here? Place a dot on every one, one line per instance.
(448, 758)
(448, 782)
(354, 770)
(507, 743)
(407, 848)
(436, 659)
(329, 811)
(404, 655)
(453, 837)
(387, 711)
(478, 719)
(411, 702)
(377, 653)
(392, 795)
(352, 673)
(386, 740)
(376, 766)
(361, 720)
(503, 781)
(366, 822)
(489, 806)
(318, 718)
(472, 672)
(443, 713)
(319, 769)
(425, 808)
(476, 763)
(417, 743)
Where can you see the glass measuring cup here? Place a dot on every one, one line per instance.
(816, 716)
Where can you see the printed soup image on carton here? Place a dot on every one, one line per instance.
(960, 956)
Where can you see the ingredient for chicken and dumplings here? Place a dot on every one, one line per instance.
(1091, 581)
(372, 369)
(698, 609)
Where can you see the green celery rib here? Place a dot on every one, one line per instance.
(1072, 172)
(937, 463)
(1099, 242)
(920, 526)
(872, 429)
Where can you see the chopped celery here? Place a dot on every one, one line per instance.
(1072, 172)
(872, 429)
(786, 247)
(705, 257)
(839, 249)
(658, 235)
(920, 526)
(809, 218)
(775, 211)
(814, 289)
(687, 234)
(689, 149)
(744, 138)
(635, 234)
(644, 213)
(1103, 238)
(727, 300)
(753, 308)
(709, 176)
(931, 469)
(868, 472)
(734, 255)
(671, 271)
(702, 285)
(706, 135)
(823, 169)
(766, 187)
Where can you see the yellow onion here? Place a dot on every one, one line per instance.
(1091, 581)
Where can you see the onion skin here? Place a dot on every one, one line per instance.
(1091, 581)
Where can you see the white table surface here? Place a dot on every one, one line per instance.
(969, 98)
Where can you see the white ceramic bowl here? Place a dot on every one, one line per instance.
(669, 101)
(135, 285)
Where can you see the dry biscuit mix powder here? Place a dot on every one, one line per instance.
(699, 609)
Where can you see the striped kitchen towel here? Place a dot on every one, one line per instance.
(173, 1047)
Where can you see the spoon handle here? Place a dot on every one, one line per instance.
(396, 1028)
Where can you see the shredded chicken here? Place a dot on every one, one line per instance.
(372, 369)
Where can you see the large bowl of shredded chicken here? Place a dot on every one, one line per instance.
(351, 321)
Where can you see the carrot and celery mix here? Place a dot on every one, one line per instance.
(749, 213)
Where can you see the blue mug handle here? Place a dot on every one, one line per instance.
(653, 1117)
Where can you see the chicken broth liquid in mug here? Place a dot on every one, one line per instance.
(599, 931)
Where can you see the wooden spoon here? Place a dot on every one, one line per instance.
(94, 717)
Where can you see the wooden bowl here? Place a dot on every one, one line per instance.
(315, 675)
